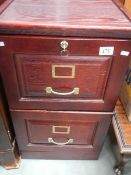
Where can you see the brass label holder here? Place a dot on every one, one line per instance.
(65, 131)
(55, 66)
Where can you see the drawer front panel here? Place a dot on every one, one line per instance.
(61, 131)
(67, 129)
(46, 75)
(61, 75)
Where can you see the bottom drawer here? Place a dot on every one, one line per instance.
(60, 134)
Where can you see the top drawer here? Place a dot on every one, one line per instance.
(41, 72)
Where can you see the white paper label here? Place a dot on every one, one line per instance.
(2, 44)
(125, 53)
(106, 50)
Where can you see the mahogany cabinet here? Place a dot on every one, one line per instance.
(39, 131)
(62, 67)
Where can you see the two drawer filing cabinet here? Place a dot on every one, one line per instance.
(62, 64)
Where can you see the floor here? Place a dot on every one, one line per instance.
(103, 166)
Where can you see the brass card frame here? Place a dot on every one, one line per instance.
(54, 66)
(61, 132)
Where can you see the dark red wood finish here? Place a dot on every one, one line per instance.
(96, 18)
(30, 37)
(30, 70)
(33, 128)
(35, 73)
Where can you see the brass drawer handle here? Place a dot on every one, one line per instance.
(49, 90)
(50, 140)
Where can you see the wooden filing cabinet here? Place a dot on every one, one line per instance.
(62, 68)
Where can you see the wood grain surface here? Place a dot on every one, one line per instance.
(87, 130)
(87, 26)
(104, 73)
(97, 18)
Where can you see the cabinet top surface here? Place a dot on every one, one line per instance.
(61, 15)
